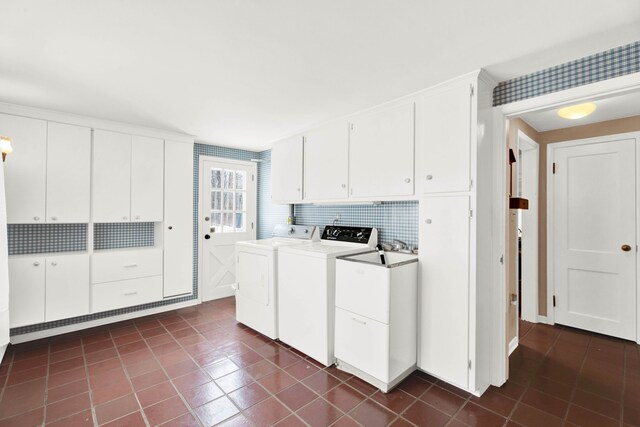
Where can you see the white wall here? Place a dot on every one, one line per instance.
(4, 268)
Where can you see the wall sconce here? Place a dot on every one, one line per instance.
(5, 146)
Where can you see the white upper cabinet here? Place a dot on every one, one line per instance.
(68, 173)
(147, 179)
(326, 162)
(381, 153)
(128, 179)
(178, 219)
(445, 120)
(111, 177)
(25, 169)
(286, 170)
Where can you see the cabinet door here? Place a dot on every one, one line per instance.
(147, 179)
(446, 142)
(326, 162)
(68, 173)
(286, 170)
(381, 153)
(67, 286)
(26, 291)
(111, 182)
(178, 218)
(444, 297)
(25, 169)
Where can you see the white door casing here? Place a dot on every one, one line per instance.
(528, 164)
(592, 215)
(227, 215)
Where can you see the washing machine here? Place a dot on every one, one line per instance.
(306, 288)
(257, 276)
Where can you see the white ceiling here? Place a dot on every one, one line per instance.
(243, 73)
(616, 107)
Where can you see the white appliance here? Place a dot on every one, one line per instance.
(306, 288)
(257, 276)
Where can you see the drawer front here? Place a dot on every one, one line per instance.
(363, 289)
(124, 265)
(126, 293)
(363, 343)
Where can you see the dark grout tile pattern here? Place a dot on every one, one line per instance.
(199, 367)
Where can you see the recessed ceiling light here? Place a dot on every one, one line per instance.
(574, 112)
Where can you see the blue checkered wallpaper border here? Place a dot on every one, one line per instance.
(123, 235)
(601, 66)
(45, 238)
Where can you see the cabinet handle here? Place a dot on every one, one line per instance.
(130, 265)
(130, 293)
(124, 217)
(36, 218)
(170, 227)
(429, 177)
(344, 185)
(54, 263)
(362, 322)
(54, 218)
(298, 189)
(428, 221)
(407, 180)
(36, 263)
(137, 216)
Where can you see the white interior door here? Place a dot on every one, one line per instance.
(227, 216)
(594, 240)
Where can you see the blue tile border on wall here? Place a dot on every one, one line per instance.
(605, 65)
(45, 238)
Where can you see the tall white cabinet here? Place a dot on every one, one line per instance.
(456, 240)
(178, 224)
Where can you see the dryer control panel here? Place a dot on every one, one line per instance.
(361, 235)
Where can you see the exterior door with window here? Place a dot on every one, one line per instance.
(227, 216)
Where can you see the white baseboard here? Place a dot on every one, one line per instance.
(513, 345)
(3, 348)
(545, 320)
(17, 339)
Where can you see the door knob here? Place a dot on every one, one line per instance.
(626, 248)
(206, 218)
(207, 236)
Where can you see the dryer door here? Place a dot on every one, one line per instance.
(252, 273)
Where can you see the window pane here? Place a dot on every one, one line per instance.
(240, 222)
(228, 179)
(216, 220)
(241, 179)
(215, 178)
(216, 200)
(240, 201)
(227, 204)
(227, 225)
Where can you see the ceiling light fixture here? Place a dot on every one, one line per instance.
(574, 112)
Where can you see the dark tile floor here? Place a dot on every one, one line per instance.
(198, 366)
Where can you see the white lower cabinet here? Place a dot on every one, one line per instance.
(124, 278)
(47, 288)
(67, 286)
(26, 290)
(126, 293)
(376, 317)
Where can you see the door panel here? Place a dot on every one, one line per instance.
(26, 291)
(147, 179)
(68, 173)
(444, 297)
(286, 170)
(67, 286)
(381, 153)
(594, 216)
(178, 219)
(328, 145)
(446, 153)
(111, 183)
(227, 216)
(25, 169)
